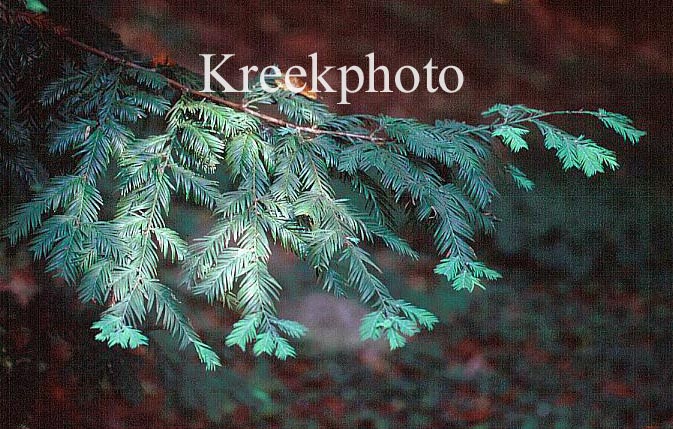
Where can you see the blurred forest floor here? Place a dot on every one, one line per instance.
(577, 335)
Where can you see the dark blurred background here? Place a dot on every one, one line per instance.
(576, 335)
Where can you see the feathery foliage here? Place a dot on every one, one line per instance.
(92, 118)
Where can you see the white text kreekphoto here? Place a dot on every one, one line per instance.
(352, 79)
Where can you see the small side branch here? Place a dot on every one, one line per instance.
(42, 23)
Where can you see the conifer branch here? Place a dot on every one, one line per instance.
(284, 176)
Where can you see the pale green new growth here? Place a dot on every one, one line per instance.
(283, 193)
